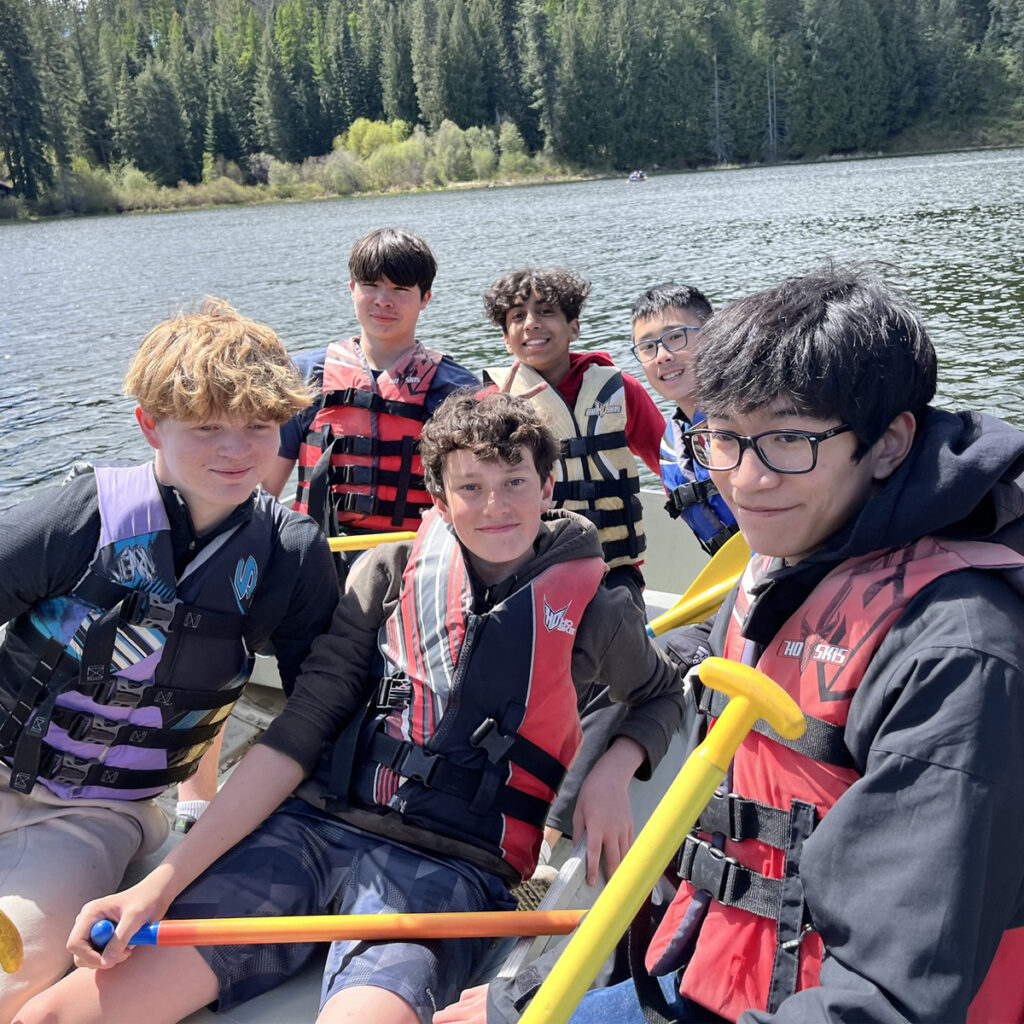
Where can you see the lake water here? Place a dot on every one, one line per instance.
(77, 296)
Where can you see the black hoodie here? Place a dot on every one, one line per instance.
(916, 872)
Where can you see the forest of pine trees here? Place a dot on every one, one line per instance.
(184, 90)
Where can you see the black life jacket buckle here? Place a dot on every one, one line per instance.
(418, 764)
(711, 869)
(148, 611)
(58, 766)
(121, 692)
(87, 728)
(487, 738)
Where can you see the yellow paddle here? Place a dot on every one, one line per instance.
(359, 541)
(11, 950)
(708, 590)
(754, 696)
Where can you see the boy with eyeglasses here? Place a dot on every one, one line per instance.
(874, 869)
(667, 320)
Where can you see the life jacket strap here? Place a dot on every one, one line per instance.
(51, 656)
(591, 444)
(86, 727)
(436, 771)
(591, 490)
(823, 741)
(62, 767)
(685, 496)
(726, 880)
(373, 476)
(361, 398)
(738, 818)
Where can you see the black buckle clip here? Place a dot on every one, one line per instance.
(122, 693)
(58, 766)
(87, 728)
(148, 611)
(711, 870)
(486, 737)
(720, 816)
(418, 764)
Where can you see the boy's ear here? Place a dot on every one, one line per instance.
(894, 445)
(547, 492)
(148, 427)
(425, 299)
(574, 328)
(442, 508)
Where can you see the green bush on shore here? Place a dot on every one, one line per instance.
(372, 156)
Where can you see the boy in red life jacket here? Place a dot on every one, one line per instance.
(134, 598)
(603, 420)
(873, 870)
(423, 742)
(359, 467)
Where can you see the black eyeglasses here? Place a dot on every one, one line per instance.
(675, 339)
(782, 451)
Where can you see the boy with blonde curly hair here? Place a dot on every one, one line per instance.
(135, 597)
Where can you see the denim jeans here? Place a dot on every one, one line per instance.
(618, 1004)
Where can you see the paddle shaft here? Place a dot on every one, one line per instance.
(328, 928)
(360, 541)
(636, 876)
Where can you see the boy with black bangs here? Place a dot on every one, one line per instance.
(359, 468)
(426, 743)
(136, 596)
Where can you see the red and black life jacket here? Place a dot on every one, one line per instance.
(359, 467)
(476, 721)
(751, 945)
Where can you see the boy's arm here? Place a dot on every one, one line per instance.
(46, 544)
(257, 786)
(613, 648)
(305, 592)
(645, 425)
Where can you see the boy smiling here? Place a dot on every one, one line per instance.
(667, 320)
(136, 596)
(427, 736)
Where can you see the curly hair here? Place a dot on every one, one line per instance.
(215, 362)
(493, 426)
(557, 285)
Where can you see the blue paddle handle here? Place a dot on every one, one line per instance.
(103, 931)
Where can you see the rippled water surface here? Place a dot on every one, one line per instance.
(77, 296)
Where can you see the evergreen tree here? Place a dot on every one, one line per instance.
(397, 86)
(23, 132)
(161, 148)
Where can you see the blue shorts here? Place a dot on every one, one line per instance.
(302, 861)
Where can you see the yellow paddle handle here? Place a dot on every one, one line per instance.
(754, 696)
(360, 541)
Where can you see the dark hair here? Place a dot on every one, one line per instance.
(840, 341)
(495, 426)
(671, 296)
(557, 285)
(402, 257)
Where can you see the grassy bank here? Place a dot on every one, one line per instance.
(375, 158)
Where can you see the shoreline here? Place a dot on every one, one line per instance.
(179, 199)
